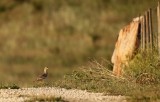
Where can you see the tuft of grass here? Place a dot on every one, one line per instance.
(41, 84)
(144, 69)
(46, 99)
(96, 77)
(140, 79)
(12, 86)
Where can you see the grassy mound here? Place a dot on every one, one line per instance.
(140, 79)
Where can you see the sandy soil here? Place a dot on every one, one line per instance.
(71, 95)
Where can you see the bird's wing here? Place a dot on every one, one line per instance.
(41, 77)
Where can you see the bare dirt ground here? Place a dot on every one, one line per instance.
(71, 95)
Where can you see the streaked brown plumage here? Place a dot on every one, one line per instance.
(43, 76)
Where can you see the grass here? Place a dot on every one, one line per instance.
(95, 77)
(25, 76)
(10, 86)
(140, 79)
(46, 99)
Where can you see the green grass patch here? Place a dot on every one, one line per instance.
(11, 86)
(140, 79)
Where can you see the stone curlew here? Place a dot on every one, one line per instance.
(43, 76)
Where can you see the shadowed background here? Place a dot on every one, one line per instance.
(59, 34)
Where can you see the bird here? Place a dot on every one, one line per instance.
(43, 76)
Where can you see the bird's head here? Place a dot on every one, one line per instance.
(45, 69)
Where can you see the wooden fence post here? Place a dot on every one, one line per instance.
(142, 34)
(150, 29)
(158, 19)
(147, 30)
(141, 21)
